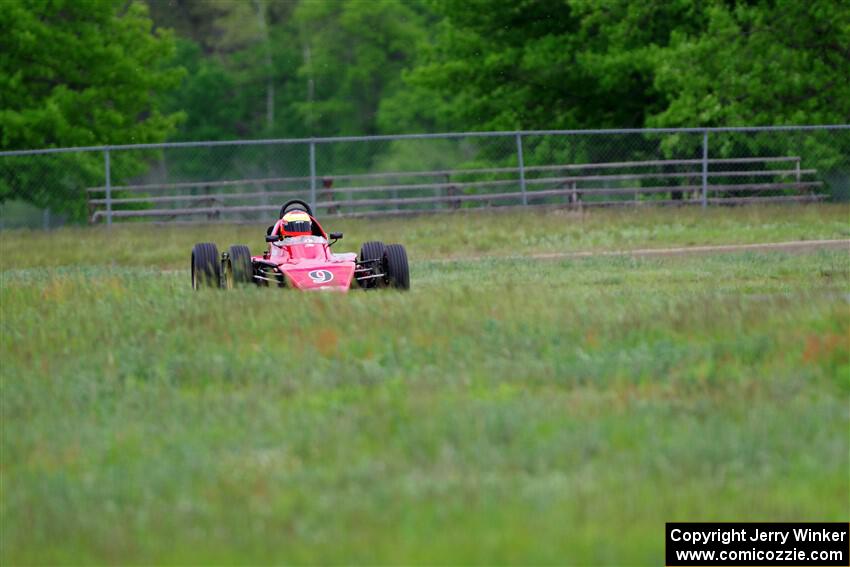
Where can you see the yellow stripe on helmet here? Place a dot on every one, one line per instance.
(296, 216)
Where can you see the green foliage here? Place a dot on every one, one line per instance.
(209, 91)
(354, 53)
(78, 74)
(268, 69)
(762, 63)
(545, 64)
(575, 64)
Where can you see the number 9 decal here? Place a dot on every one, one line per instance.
(321, 276)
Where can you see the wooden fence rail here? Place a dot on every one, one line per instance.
(572, 185)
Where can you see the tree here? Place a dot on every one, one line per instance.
(242, 59)
(354, 53)
(576, 64)
(763, 63)
(290, 68)
(758, 63)
(544, 63)
(77, 74)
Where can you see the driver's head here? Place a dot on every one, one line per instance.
(296, 223)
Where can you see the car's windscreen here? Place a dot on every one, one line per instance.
(301, 240)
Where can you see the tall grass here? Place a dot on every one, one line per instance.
(500, 412)
(440, 236)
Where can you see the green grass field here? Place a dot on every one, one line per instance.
(520, 412)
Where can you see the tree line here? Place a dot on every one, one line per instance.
(93, 72)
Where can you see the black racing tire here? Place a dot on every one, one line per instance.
(240, 262)
(206, 266)
(372, 251)
(396, 266)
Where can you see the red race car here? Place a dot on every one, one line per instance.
(299, 256)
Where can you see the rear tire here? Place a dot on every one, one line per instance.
(396, 266)
(206, 266)
(373, 251)
(240, 262)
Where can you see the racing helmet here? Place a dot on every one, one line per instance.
(296, 223)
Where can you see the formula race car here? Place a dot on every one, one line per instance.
(299, 256)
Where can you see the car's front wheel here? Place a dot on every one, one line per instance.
(242, 271)
(206, 266)
(396, 266)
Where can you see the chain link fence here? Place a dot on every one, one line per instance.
(413, 174)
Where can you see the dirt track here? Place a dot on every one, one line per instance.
(798, 246)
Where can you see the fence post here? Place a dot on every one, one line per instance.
(313, 176)
(521, 167)
(704, 169)
(108, 175)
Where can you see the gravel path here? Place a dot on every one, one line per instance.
(797, 246)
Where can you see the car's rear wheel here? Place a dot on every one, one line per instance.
(372, 257)
(206, 266)
(242, 270)
(396, 266)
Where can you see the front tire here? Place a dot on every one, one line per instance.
(206, 266)
(396, 266)
(240, 263)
